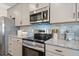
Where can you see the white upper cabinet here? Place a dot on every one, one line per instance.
(15, 12)
(25, 14)
(36, 6)
(77, 11)
(21, 14)
(10, 13)
(62, 12)
(32, 6)
(18, 15)
(41, 5)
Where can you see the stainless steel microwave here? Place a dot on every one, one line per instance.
(40, 15)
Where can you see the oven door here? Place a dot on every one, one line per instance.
(32, 52)
(37, 17)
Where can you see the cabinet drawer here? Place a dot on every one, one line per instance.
(9, 39)
(10, 42)
(17, 40)
(10, 51)
(51, 54)
(61, 51)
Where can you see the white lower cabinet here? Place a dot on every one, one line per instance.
(51, 54)
(10, 46)
(15, 46)
(53, 50)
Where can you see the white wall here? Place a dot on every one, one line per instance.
(3, 12)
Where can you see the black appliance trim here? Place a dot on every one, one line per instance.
(34, 40)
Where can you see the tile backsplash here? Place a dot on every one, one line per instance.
(72, 27)
(39, 26)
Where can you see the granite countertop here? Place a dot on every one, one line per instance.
(72, 44)
(28, 38)
(14, 35)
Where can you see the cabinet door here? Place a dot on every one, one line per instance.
(32, 7)
(17, 47)
(36, 6)
(18, 13)
(10, 46)
(77, 11)
(41, 5)
(62, 12)
(25, 14)
(51, 54)
(61, 51)
(10, 13)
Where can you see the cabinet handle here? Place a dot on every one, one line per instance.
(73, 15)
(20, 22)
(58, 50)
(17, 40)
(78, 14)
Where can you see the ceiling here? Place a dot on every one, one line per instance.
(6, 5)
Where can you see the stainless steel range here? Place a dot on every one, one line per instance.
(33, 48)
